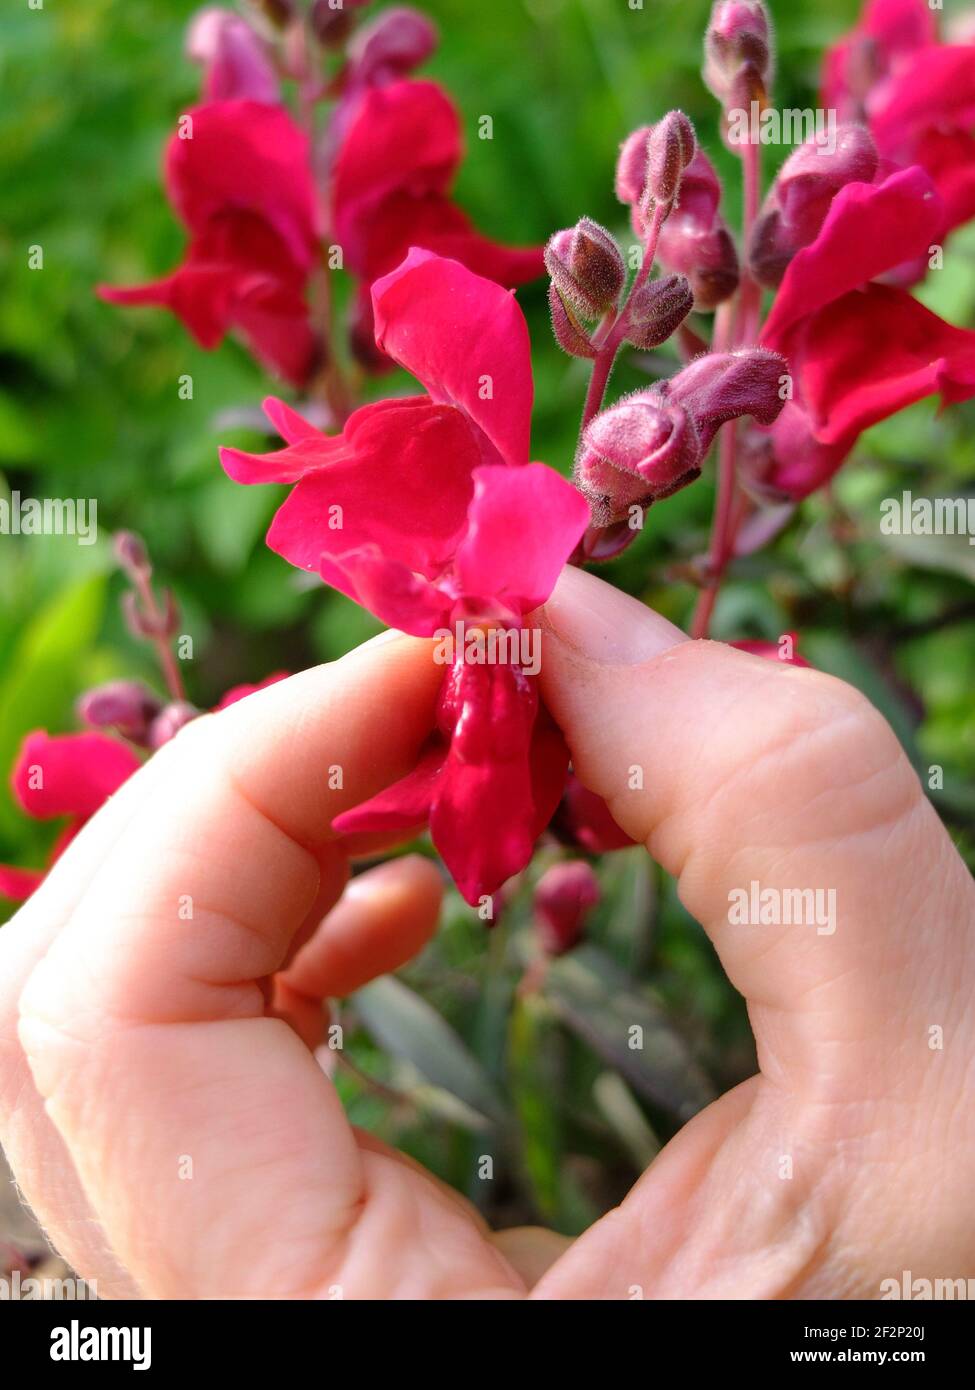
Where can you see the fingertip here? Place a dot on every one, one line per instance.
(385, 917)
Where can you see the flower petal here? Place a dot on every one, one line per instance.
(869, 230)
(390, 590)
(483, 820)
(404, 137)
(403, 483)
(69, 774)
(523, 525)
(403, 805)
(466, 339)
(250, 157)
(869, 354)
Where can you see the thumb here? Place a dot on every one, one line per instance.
(798, 831)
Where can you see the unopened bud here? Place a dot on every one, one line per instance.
(127, 706)
(131, 553)
(631, 167)
(236, 61)
(392, 45)
(331, 21)
(586, 266)
(565, 895)
(738, 53)
(694, 239)
(657, 310)
(638, 451)
(722, 386)
(568, 331)
(169, 721)
(800, 198)
(670, 148)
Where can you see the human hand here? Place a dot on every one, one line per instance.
(144, 1038)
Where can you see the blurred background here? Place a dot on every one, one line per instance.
(448, 1061)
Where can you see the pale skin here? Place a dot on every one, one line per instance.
(131, 1038)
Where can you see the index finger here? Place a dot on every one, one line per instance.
(144, 1023)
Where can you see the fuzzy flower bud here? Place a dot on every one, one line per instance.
(721, 386)
(657, 310)
(738, 53)
(391, 45)
(566, 328)
(235, 60)
(586, 267)
(636, 452)
(670, 148)
(694, 239)
(127, 706)
(169, 721)
(800, 198)
(131, 553)
(564, 897)
(631, 167)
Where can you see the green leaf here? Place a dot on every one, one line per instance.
(603, 1006)
(409, 1028)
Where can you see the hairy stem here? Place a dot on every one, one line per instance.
(610, 335)
(736, 328)
(167, 657)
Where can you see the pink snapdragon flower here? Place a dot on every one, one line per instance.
(427, 511)
(917, 96)
(238, 178)
(68, 775)
(859, 350)
(71, 776)
(400, 149)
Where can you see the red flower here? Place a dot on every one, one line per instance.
(859, 351)
(426, 511)
(400, 149)
(917, 96)
(242, 188)
(68, 775)
(73, 775)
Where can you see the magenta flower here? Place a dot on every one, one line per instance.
(69, 775)
(859, 350)
(242, 188)
(73, 775)
(400, 149)
(917, 96)
(427, 511)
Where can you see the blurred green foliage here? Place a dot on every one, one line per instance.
(450, 1062)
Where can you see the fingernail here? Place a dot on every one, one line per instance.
(604, 624)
